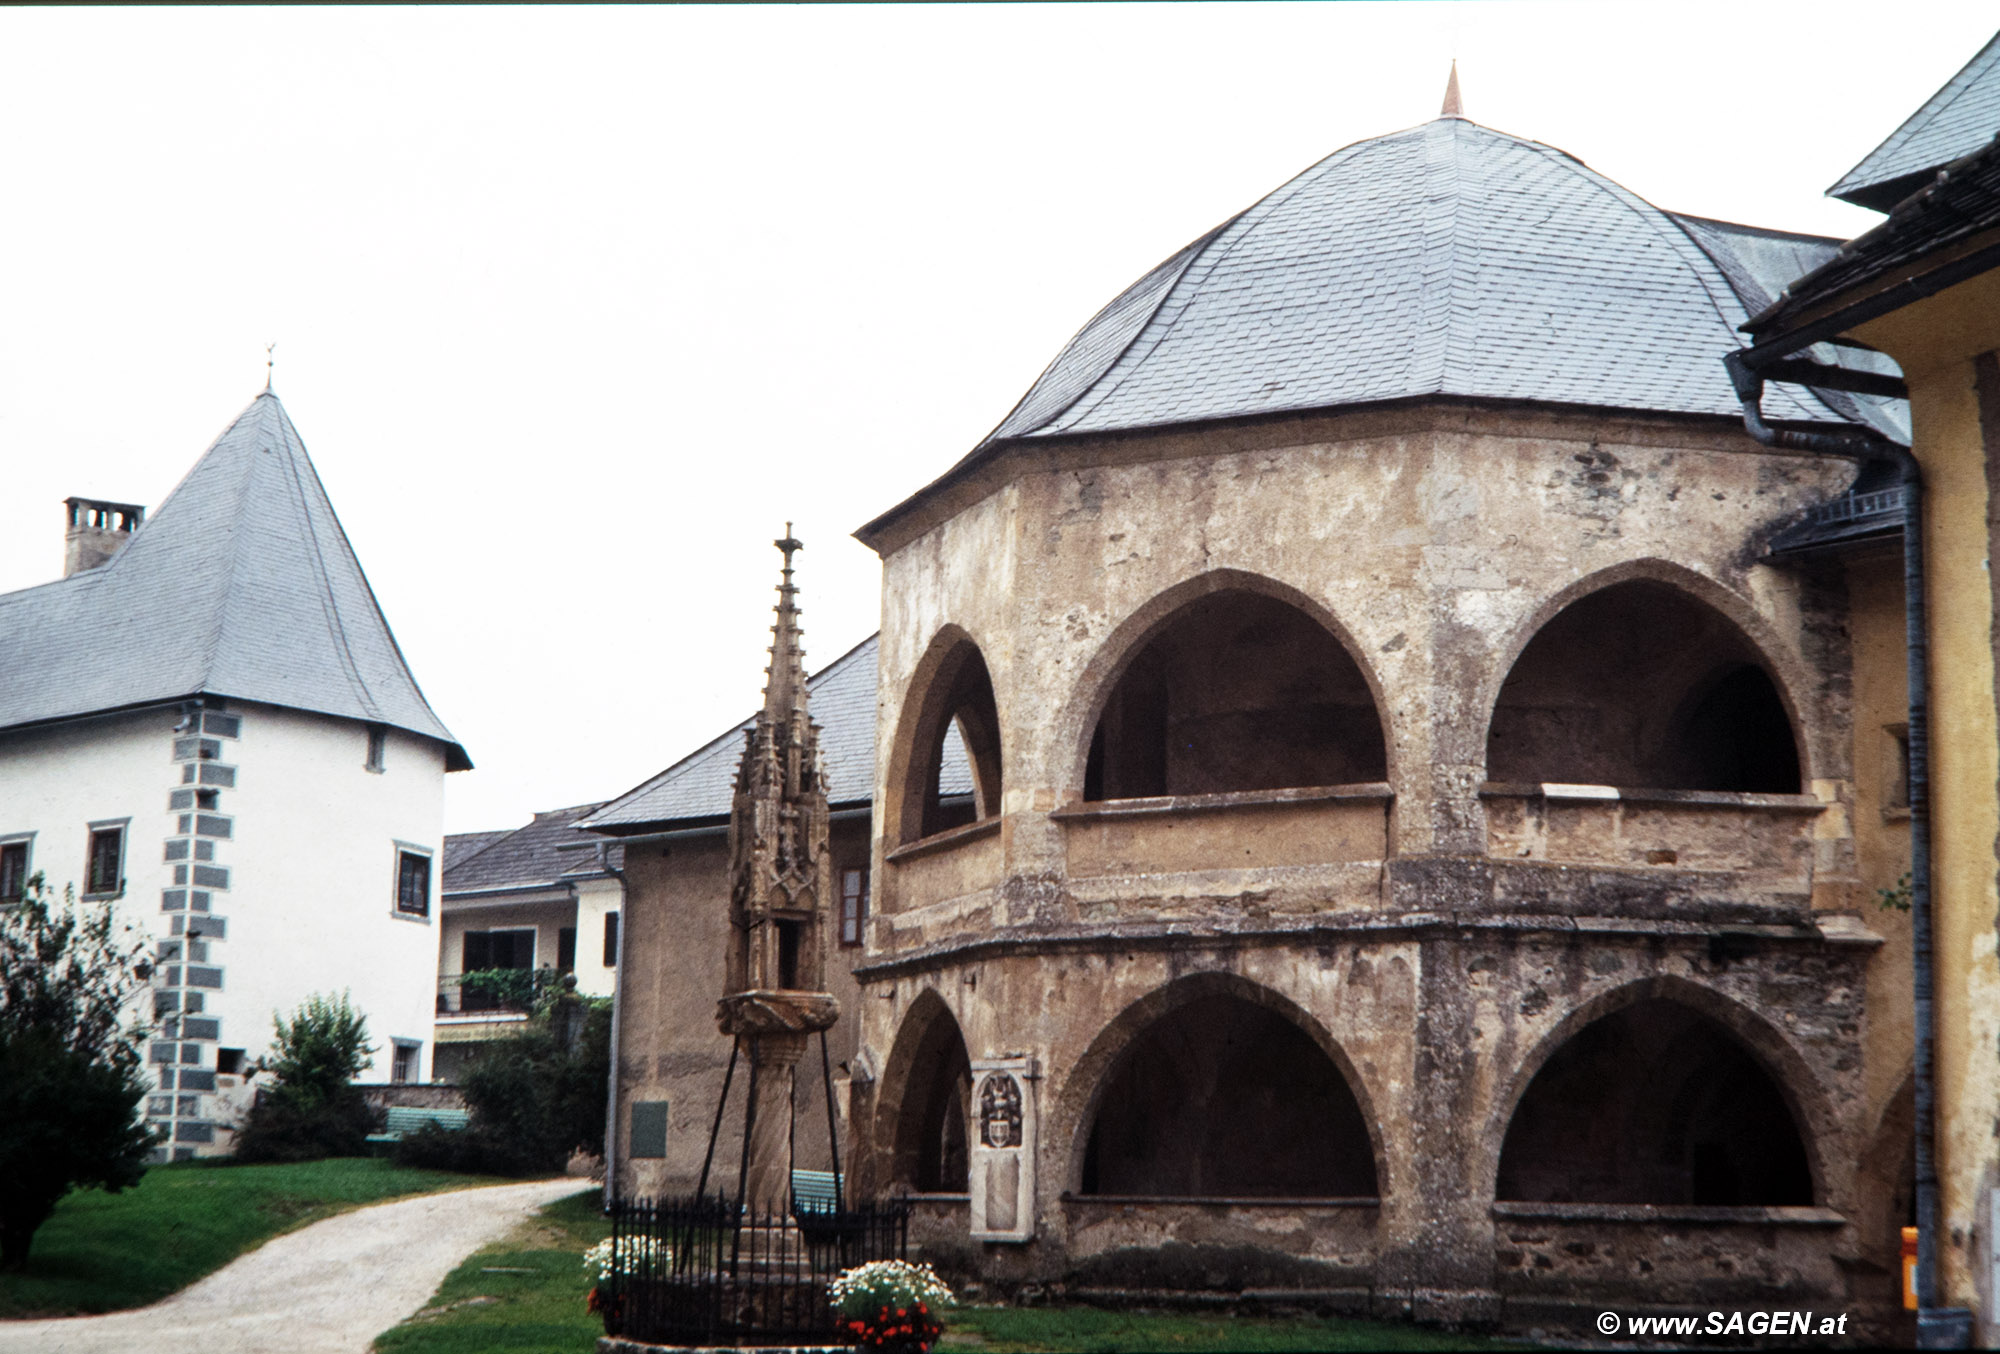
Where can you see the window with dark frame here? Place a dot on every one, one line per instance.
(403, 1067)
(106, 860)
(610, 940)
(13, 872)
(853, 906)
(413, 884)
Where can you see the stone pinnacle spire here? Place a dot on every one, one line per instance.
(1453, 107)
(785, 679)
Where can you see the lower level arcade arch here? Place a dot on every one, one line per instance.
(1223, 1097)
(1654, 1104)
(928, 1143)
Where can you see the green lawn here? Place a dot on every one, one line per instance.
(1091, 1330)
(105, 1252)
(524, 1294)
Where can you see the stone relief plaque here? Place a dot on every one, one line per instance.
(1003, 1149)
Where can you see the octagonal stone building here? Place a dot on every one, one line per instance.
(1433, 774)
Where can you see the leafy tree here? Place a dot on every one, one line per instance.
(315, 1110)
(70, 1065)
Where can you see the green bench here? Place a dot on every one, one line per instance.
(814, 1192)
(407, 1119)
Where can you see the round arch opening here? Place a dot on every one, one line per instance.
(1236, 691)
(1641, 684)
(1222, 1097)
(952, 773)
(1654, 1104)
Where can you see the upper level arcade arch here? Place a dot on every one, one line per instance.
(1654, 1103)
(1233, 684)
(1640, 683)
(952, 699)
(1215, 1089)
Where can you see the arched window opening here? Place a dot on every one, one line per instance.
(1225, 1098)
(931, 1155)
(955, 766)
(1641, 685)
(1238, 692)
(1654, 1104)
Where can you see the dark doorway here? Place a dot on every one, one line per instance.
(1641, 685)
(1226, 1098)
(1654, 1104)
(1238, 692)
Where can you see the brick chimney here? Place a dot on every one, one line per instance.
(97, 530)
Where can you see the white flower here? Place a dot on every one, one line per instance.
(643, 1255)
(888, 1283)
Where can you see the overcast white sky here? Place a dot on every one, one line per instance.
(574, 308)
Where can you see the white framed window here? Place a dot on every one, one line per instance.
(403, 1060)
(411, 898)
(16, 864)
(104, 860)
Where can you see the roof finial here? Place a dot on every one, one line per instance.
(1453, 108)
(270, 363)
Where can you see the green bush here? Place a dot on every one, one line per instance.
(315, 1110)
(533, 1101)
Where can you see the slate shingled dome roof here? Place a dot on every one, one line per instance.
(1446, 260)
(242, 585)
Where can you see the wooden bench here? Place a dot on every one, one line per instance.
(407, 1119)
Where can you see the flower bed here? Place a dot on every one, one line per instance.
(890, 1304)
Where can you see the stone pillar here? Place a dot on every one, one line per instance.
(767, 1179)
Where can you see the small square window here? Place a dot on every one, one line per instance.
(378, 746)
(413, 884)
(229, 1061)
(13, 872)
(106, 861)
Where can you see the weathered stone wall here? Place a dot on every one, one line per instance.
(1438, 935)
(677, 922)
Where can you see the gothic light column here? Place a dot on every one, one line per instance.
(781, 884)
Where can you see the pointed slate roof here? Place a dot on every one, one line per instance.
(242, 585)
(546, 852)
(1953, 123)
(697, 790)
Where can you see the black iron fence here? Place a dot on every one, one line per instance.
(699, 1271)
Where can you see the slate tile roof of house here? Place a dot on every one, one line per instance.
(1953, 123)
(548, 851)
(697, 790)
(1446, 260)
(241, 585)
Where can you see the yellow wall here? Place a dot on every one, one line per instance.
(1935, 341)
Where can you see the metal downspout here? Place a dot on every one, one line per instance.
(1937, 1327)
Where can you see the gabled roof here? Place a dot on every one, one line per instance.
(1953, 123)
(546, 852)
(1446, 260)
(697, 789)
(242, 585)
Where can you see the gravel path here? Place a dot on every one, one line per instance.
(329, 1288)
